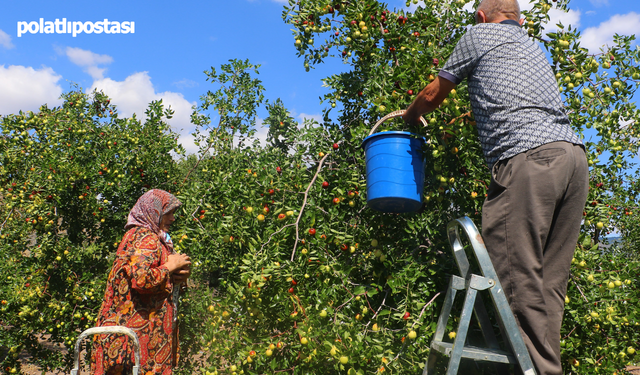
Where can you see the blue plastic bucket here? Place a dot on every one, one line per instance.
(395, 171)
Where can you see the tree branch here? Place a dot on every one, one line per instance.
(304, 203)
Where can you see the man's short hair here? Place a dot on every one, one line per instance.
(494, 8)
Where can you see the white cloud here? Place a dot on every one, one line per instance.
(5, 40)
(83, 57)
(134, 94)
(185, 83)
(261, 132)
(187, 141)
(89, 61)
(95, 72)
(525, 5)
(594, 38)
(412, 7)
(24, 88)
(598, 3)
(572, 17)
(566, 18)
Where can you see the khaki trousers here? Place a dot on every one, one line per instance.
(530, 224)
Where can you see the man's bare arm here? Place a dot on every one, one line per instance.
(428, 99)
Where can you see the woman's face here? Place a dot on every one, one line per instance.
(167, 220)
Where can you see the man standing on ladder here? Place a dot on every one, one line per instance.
(539, 173)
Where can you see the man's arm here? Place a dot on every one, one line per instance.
(428, 99)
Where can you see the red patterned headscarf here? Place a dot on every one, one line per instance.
(148, 212)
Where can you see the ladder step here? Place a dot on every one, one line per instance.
(475, 353)
(471, 285)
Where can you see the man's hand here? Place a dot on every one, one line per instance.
(411, 117)
(428, 99)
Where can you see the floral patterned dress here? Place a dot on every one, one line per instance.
(138, 296)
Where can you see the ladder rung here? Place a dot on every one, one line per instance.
(474, 285)
(475, 353)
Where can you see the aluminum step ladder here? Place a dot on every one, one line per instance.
(110, 330)
(472, 284)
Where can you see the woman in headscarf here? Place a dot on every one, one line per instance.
(140, 289)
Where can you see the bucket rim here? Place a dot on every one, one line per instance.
(394, 132)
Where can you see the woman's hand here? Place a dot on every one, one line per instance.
(181, 275)
(176, 262)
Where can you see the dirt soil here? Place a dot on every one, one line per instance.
(31, 369)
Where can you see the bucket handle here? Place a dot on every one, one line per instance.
(393, 114)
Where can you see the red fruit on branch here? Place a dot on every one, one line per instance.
(406, 315)
(325, 185)
(312, 231)
(335, 146)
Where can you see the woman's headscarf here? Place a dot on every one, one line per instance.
(148, 212)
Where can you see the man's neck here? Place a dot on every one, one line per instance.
(508, 21)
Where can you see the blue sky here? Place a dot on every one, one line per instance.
(174, 43)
